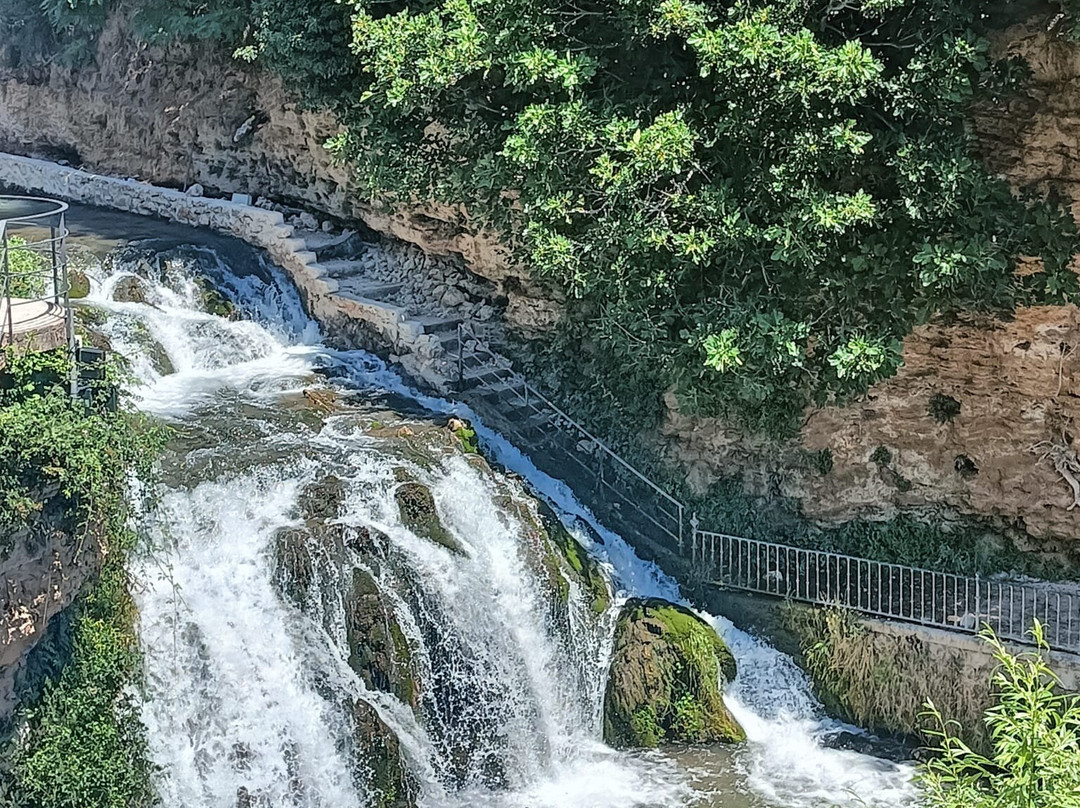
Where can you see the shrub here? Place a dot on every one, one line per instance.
(1034, 732)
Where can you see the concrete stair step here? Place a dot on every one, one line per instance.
(372, 290)
(343, 268)
(445, 327)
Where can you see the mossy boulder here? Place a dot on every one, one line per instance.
(379, 760)
(417, 508)
(664, 685)
(378, 649)
(130, 289)
(79, 283)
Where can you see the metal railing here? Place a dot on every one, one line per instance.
(877, 589)
(34, 281)
(891, 591)
(479, 364)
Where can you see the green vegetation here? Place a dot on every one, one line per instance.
(884, 681)
(664, 682)
(26, 269)
(750, 202)
(1034, 729)
(81, 743)
(48, 439)
(469, 441)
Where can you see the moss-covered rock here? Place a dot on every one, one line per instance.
(576, 561)
(214, 302)
(418, 513)
(79, 284)
(380, 765)
(130, 289)
(378, 650)
(664, 685)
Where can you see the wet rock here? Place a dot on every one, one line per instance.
(322, 499)
(294, 570)
(664, 683)
(418, 513)
(378, 650)
(379, 760)
(129, 289)
(572, 563)
(214, 302)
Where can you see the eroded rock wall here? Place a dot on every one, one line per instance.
(971, 424)
(1017, 382)
(44, 568)
(187, 114)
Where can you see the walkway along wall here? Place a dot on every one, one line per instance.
(369, 321)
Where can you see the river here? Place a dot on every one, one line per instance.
(243, 690)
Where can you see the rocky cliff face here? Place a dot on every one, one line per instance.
(1033, 139)
(45, 567)
(980, 420)
(182, 115)
(186, 114)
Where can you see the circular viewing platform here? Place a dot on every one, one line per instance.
(34, 308)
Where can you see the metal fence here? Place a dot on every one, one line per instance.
(878, 589)
(891, 591)
(34, 282)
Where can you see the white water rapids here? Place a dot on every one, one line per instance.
(243, 690)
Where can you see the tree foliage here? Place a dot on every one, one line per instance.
(751, 201)
(1035, 736)
(756, 200)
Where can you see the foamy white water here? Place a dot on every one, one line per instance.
(241, 686)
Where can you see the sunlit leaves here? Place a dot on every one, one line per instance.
(1034, 726)
(722, 350)
(756, 200)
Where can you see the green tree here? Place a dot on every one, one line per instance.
(750, 202)
(1035, 735)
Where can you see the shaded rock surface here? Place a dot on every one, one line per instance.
(418, 513)
(664, 685)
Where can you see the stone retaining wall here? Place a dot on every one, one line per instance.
(265, 229)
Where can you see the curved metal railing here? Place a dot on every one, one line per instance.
(34, 280)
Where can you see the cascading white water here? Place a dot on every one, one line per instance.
(243, 690)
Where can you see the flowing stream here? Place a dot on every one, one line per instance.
(248, 693)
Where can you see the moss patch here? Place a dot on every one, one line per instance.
(665, 680)
(582, 568)
(417, 508)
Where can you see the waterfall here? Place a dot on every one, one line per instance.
(246, 692)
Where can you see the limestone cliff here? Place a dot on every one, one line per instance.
(972, 424)
(1007, 450)
(187, 114)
